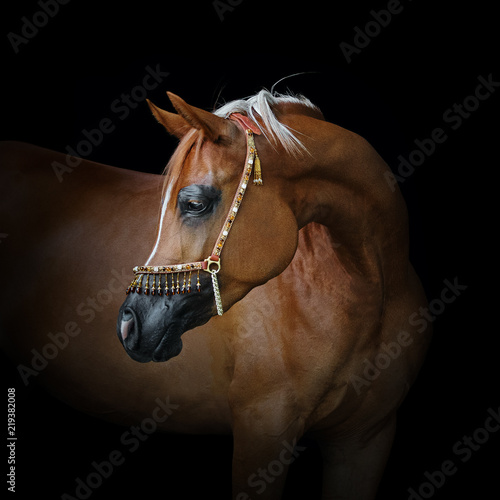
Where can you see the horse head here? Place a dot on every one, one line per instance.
(187, 278)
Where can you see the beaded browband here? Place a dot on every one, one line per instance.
(149, 278)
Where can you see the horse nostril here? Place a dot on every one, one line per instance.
(127, 314)
(127, 323)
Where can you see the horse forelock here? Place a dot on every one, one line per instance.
(174, 167)
(172, 173)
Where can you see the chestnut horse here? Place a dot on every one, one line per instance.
(311, 333)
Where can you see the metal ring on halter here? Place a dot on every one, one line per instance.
(213, 259)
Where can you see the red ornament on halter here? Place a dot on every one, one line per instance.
(245, 123)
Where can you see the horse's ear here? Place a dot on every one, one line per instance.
(213, 126)
(175, 124)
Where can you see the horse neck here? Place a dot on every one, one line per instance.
(343, 186)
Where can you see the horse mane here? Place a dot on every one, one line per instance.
(265, 104)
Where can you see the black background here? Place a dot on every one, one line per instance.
(394, 91)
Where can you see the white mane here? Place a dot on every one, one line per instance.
(262, 104)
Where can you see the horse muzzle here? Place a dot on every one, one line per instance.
(150, 327)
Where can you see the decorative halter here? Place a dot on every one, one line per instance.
(149, 278)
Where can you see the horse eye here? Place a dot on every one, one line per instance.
(196, 206)
(197, 201)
